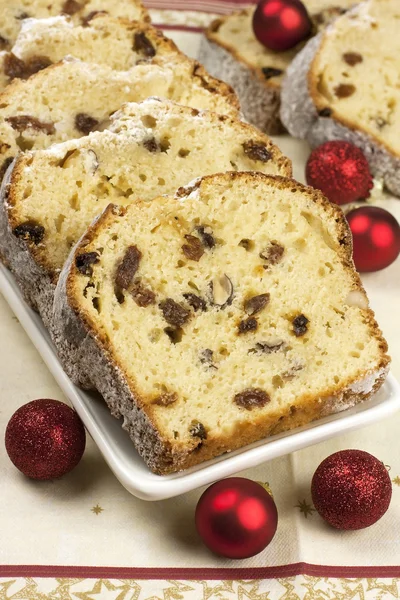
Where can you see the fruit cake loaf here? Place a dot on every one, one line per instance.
(51, 196)
(345, 85)
(219, 316)
(69, 99)
(231, 51)
(14, 12)
(118, 43)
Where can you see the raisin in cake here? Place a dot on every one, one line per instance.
(51, 196)
(219, 316)
(231, 51)
(118, 43)
(14, 12)
(345, 85)
(71, 98)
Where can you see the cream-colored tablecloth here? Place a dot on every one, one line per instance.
(87, 519)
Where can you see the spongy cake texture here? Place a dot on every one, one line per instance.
(207, 322)
(345, 85)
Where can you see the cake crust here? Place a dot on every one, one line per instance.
(74, 325)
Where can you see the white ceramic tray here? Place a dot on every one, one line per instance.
(128, 467)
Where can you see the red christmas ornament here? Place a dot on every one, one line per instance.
(281, 24)
(376, 238)
(351, 489)
(341, 171)
(236, 518)
(45, 439)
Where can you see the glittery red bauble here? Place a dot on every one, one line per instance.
(236, 518)
(351, 489)
(376, 238)
(341, 171)
(45, 439)
(281, 24)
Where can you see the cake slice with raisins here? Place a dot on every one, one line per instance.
(344, 85)
(51, 196)
(117, 43)
(230, 50)
(219, 316)
(13, 13)
(71, 98)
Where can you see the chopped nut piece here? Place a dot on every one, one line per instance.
(247, 325)
(344, 90)
(222, 291)
(352, 58)
(257, 151)
(267, 347)
(174, 313)
(85, 261)
(206, 358)
(142, 296)
(273, 254)
(198, 430)
(30, 232)
(254, 305)
(85, 123)
(270, 72)
(166, 399)
(194, 248)
(143, 45)
(22, 122)
(128, 267)
(300, 325)
(252, 398)
(195, 302)
(206, 236)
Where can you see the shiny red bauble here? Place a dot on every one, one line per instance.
(281, 24)
(376, 238)
(236, 518)
(341, 171)
(45, 439)
(351, 489)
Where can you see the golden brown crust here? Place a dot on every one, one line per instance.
(307, 409)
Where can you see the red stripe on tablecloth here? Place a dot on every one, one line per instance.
(198, 574)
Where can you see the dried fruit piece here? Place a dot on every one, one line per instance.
(85, 261)
(151, 145)
(174, 313)
(198, 430)
(206, 358)
(4, 43)
(166, 399)
(352, 58)
(257, 151)
(30, 232)
(325, 112)
(70, 7)
(143, 45)
(247, 325)
(174, 333)
(195, 302)
(86, 20)
(194, 248)
(35, 64)
(267, 347)
(142, 296)
(13, 66)
(254, 305)
(252, 398)
(23, 122)
(128, 267)
(273, 253)
(270, 72)
(85, 123)
(246, 244)
(222, 290)
(300, 325)
(344, 90)
(206, 235)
